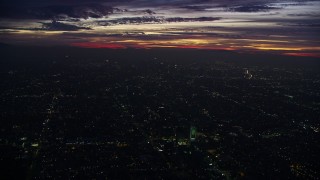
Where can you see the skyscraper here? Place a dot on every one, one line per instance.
(193, 133)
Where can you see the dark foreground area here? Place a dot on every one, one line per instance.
(69, 113)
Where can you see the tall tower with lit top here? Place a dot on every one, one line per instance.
(193, 133)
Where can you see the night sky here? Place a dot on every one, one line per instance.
(289, 27)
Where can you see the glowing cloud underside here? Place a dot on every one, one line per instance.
(290, 28)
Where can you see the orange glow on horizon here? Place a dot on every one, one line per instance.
(316, 55)
(203, 47)
(148, 45)
(140, 46)
(98, 45)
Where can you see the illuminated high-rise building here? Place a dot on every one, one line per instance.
(193, 133)
(247, 74)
